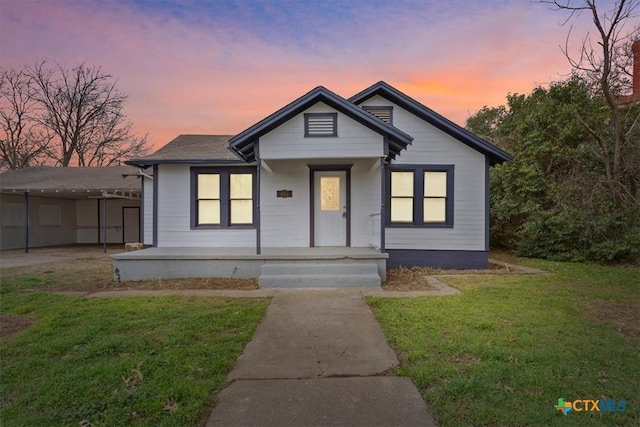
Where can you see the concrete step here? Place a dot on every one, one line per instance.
(336, 268)
(301, 275)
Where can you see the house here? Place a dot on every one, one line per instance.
(51, 206)
(324, 189)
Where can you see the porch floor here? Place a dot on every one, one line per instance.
(250, 253)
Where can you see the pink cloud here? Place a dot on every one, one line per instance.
(185, 78)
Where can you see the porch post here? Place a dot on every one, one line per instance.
(256, 220)
(104, 224)
(383, 199)
(154, 220)
(257, 214)
(26, 222)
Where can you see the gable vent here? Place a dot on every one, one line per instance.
(383, 113)
(321, 124)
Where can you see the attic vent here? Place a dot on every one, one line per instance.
(383, 113)
(321, 124)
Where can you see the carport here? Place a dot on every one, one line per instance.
(52, 206)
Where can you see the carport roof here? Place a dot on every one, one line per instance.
(71, 181)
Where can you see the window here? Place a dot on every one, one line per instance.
(329, 193)
(222, 198)
(321, 124)
(402, 197)
(241, 197)
(209, 198)
(435, 197)
(383, 113)
(420, 196)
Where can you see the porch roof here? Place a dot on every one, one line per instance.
(72, 182)
(191, 149)
(245, 142)
(387, 91)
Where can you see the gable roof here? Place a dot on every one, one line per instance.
(62, 181)
(191, 149)
(244, 143)
(387, 91)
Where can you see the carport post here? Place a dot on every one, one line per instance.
(104, 224)
(26, 222)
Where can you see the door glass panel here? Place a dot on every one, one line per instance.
(241, 186)
(434, 210)
(208, 186)
(330, 193)
(435, 184)
(241, 212)
(209, 212)
(402, 210)
(402, 184)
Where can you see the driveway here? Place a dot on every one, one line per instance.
(17, 257)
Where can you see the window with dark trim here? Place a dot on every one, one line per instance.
(384, 113)
(420, 196)
(321, 124)
(222, 198)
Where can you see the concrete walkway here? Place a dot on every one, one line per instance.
(316, 360)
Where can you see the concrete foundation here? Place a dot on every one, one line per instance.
(178, 263)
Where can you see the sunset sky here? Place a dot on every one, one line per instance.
(217, 67)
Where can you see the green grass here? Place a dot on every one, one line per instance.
(508, 347)
(120, 361)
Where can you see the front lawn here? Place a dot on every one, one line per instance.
(505, 350)
(118, 361)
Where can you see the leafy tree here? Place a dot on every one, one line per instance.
(553, 201)
(603, 61)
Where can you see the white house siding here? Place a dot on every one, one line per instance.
(174, 220)
(286, 222)
(288, 141)
(89, 230)
(147, 211)
(12, 226)
(432, 146)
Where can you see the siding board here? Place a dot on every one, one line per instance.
(174, 222)
(431, 146)
(353, 140)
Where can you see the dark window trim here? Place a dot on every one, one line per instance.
(418, 195)
(225, 200)
(389, 108)
(334, 117)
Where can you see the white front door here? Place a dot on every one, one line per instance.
(330, 208)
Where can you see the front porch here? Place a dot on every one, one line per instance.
(275, 267)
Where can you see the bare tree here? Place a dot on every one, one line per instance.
(603, 61)
(22, 144)
(83, 110)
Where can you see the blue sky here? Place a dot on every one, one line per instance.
(220, 66)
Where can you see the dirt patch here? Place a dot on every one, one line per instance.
(415, 279)
(623, 317)
(94, 274)
(214, 283)
(12, 325)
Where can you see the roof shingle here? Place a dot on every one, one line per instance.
(190, 149)
(47, 178)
